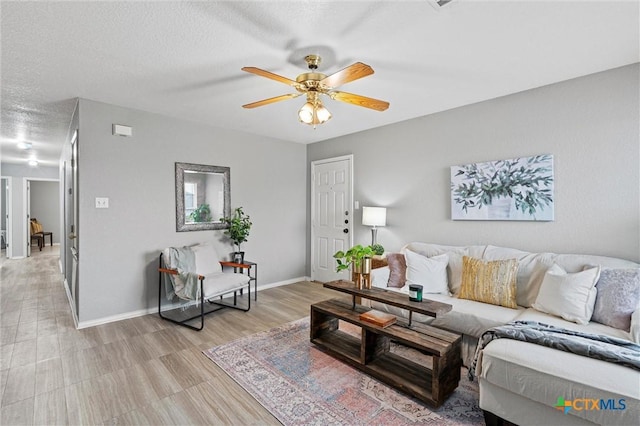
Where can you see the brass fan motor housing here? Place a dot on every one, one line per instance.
(310, 81)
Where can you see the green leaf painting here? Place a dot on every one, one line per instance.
(515, 189)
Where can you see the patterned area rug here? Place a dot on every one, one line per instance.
(301, 385)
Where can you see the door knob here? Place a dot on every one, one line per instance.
(345, 230)
(72, 236)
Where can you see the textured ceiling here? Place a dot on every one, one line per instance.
(183, 59)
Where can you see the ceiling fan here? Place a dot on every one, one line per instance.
(313, 84)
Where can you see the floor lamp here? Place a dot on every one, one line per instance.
(374, 216)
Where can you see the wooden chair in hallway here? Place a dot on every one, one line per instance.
(38, 233)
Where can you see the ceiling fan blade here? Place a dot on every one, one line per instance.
(348, 74)
(272, 76)
(362, 101)
(271, 100)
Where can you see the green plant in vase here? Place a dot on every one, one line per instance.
(238, 231)
(201, 214)
(354, 256)
(378, 249)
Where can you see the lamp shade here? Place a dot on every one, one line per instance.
(374, 216)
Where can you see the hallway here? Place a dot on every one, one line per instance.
(137, 371)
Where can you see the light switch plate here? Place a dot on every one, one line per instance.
(102, 203)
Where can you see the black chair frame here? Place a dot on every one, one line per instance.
(216, 304)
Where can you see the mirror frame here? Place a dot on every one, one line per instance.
(181, 225)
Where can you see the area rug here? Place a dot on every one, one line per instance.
(301, 385)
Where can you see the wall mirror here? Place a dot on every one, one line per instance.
(203, 196)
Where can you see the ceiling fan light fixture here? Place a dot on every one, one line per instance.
(322, 114)
(313, 111)
(305, 114)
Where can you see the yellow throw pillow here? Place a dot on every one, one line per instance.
(491, 282)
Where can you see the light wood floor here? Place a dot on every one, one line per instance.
(137, 371)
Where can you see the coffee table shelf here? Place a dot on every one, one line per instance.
(371, 351)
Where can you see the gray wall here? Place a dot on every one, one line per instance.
(589, 124)
(119, 246)
(18, 173)
(45, 206)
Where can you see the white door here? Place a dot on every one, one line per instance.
(331, 215)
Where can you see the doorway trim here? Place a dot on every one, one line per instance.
(26, 226)
(315, 163)
(9, 219)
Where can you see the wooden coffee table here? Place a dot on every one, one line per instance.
(371, 352)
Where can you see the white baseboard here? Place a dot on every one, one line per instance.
(154, 310)
(281, 283)
(114, 318)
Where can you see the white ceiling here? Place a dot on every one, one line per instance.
(183, 59)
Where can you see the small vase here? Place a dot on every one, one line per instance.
(238, 257)
(358, 280)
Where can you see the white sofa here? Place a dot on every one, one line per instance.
(521, 382)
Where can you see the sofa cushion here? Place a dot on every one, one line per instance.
(429, 272)
(491, 282)
(568, 295)
(466, 316)
(218, 283)
(617, 298)
(207, 261)
(543, 374)
(397, 270)
(470, 317)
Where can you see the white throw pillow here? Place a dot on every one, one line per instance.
(429, 272)
(569, 296)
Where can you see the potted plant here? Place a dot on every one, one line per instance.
(378, 249)
(527, 182)
(238, 231)
(201, 214)
(359, 258)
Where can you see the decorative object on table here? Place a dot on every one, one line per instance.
(374, 217)
(378, 249)
(359, 258)
(239, 225)
(415, 293)
(381, 319)
(324, 390)
(515, 189)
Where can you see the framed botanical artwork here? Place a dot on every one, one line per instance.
(515, 189)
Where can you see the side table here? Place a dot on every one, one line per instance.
(248, 265)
